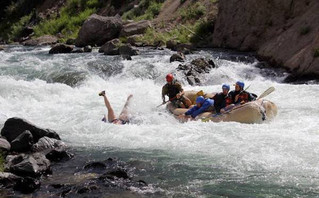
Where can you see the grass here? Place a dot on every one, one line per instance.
(193, 12)
(2, 161)
(70, 20)
(146, 10)
(316, 54)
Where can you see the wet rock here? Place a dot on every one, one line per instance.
(88, 48)
(97, 30)
(87, 189)
(13, 127)
(111, 47)
(32, 165)
(1, 48)
(126, 57)
(78, 50)
(58, 155)
(128, 49)
(135, 28)
(8, 180)
(23, 142)
(27, 185)
(180, 57)
(119, 173)
(60, 49)
(46, 144)
(4, 145)
(193, 71)
(172, 45)
(42, 40)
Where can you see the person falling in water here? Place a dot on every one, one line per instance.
(111, 118)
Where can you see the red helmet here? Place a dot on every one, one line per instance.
(169, 77)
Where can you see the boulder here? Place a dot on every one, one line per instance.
(133, 28)
(180, 57)
(8, 180)
(133, 40)
(61, 48)
(97, 30)
(46, 144)
(78, 50)
(88, 48)
(194, 71)
(128, 49)
(1, 48)
(4, 145)
(33, 165)
(58, 155)
(13, 127)
(285, 33)
(110, 47)
(23, 142)
(42, 40)
(27, 185)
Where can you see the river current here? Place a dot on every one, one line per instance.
(278, 158)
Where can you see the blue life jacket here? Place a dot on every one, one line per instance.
(195, 110)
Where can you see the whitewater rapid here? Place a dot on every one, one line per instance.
(60, 92)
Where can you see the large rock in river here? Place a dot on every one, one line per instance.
(97, 30)
(13, 127)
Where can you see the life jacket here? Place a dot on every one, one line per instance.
(228, 100)
(243, 96)
(173, 89)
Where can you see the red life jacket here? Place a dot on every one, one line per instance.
(228, 101)
(244, 96)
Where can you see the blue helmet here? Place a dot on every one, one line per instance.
(200, 99)
(226, 86)
(240, 84)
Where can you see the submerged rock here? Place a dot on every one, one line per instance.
(61, 48)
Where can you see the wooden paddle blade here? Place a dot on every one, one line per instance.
(267, 92)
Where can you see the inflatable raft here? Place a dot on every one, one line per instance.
(256, 111)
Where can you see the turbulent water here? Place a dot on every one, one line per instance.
(274, 159)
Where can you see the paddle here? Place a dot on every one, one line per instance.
(266, 93)
(200, 93)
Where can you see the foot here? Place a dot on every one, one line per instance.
(102, 93)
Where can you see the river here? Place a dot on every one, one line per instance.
(277, 158)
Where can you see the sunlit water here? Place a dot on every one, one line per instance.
(274, 159)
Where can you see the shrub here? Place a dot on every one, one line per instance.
(145, 10)
(193, 12)
(203, 28)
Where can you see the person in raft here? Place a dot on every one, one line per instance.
(220, 99)
(202, 105)
(237, 97)
(175, 93)
(111, 118)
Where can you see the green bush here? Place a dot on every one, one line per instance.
(203, 28)
(146, 10)
(70, 20)
(2, 161)
(193, 12)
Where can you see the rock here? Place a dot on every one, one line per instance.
(13, 127)
(128, 50)
(23, 142)
(27, 31)
(172, 45)
(88, 48)
(27, 185)
(194, 71)
(135, 28)
(8, 180)
(180, 57)
(78, 50)
(97, 30)
(110, 47)
(270, 28)
(42, 40)
(61, 48)
(4, 145)
(58, 155)
(32, 165)
(70, 42)
(133, 40)
(46, 144)
(1, 48)
(126, 57)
